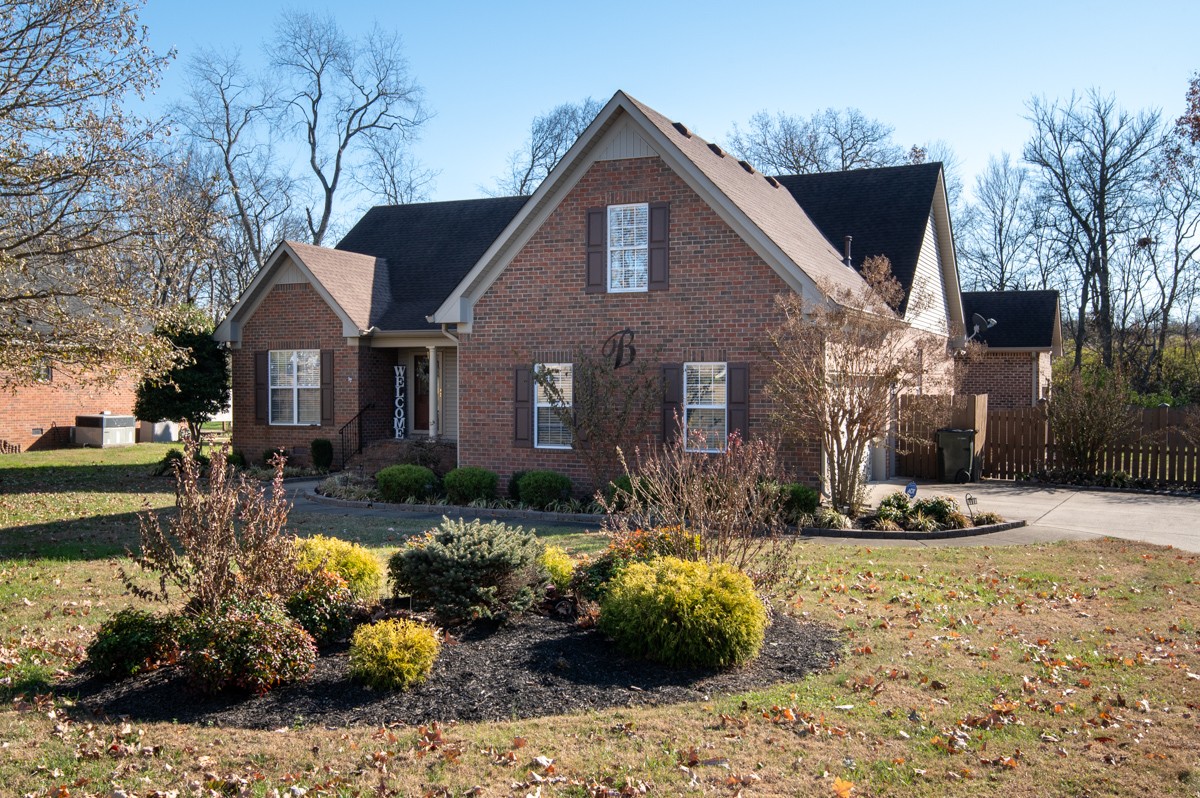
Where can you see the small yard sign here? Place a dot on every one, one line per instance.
(911, 489)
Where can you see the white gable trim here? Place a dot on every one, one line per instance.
(458, 308)
(950, 285)
(282, 267)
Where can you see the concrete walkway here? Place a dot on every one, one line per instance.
(1051, 513)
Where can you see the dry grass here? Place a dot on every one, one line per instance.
(1067, 669)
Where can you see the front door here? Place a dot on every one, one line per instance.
(421, 392)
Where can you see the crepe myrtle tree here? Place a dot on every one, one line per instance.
(840, 364)
(610, 401)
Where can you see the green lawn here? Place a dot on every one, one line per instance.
(1068, 669)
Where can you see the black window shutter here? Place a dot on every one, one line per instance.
(522, 407)
(672, 407)
(738, 398)
(660, 213)
(597, 250)
(262, 394)
(326, 387)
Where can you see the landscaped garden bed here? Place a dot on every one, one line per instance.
(533, 667)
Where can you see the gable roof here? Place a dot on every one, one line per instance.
(886, 210)
(357, 283)
(353, 285)
(763, 214)
(769, 207)
(428, 248)
(1024, 319)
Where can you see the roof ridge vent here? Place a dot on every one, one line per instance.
(717, 149)
(746, 165)
(774, 183)
(682, 128)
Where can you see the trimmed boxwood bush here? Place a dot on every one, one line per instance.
(393, 654)
(514, 485)
(247, 645)
(322, 453)
(350, 561)
(132, 641)
(324, 608)
(541, 489)
(800, 501)
(400, 483)
(469, 483)
(470, 569)
(684, 613)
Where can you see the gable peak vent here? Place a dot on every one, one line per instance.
(717, 149)
(682, 128)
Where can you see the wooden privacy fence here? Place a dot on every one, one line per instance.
(1020, 442)
(922, 416)
(1015, 442)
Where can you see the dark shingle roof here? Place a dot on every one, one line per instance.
(1024, 319)
(886, 210)
(429, 247)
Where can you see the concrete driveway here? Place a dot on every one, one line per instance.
(1068, 514)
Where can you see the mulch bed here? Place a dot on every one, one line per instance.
(537, 666)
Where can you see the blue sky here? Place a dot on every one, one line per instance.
(959, 71)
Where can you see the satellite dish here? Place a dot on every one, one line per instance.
(980, 323)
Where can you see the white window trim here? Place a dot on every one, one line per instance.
(294, 388)
(724, 408)
(549, 407)
(610, 249)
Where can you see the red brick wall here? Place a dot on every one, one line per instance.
(293, 316)
(52, 407)
(1006, 377)
(720, 307)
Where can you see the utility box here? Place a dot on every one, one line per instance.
(956, 455)
(103, 430)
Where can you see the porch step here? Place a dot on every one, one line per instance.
(441, 456)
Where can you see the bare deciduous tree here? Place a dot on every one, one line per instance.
(1093, 165)
(71, 254)
(840, 365)
(997, 230)
(550, 136)
(339, 90)
(391, 171)
(828, 141)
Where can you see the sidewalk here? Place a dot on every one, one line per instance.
(1051, 513)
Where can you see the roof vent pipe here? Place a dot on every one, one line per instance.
(847, 260)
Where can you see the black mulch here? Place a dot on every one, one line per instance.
(537, 666)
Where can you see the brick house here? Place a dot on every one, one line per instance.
(427, 319)
(41, 414)
(1014, 369)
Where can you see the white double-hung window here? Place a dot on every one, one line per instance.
(705, 405)
(554, 396)
(628, 247)
(295, 386)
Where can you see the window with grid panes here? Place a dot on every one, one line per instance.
(705, 401)
(295, 385)
(628, 247)
(549, 431)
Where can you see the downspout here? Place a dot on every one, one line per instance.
(446, 332)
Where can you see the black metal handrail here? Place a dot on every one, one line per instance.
(351, 435)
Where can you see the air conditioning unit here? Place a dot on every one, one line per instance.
(103, 430)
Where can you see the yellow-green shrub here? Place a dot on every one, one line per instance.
(350, 561)
(684, 613)
(560, 566)
(394, 654)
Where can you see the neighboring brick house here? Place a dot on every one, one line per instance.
(428, 318)
(1014, 368)
(40, 415)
